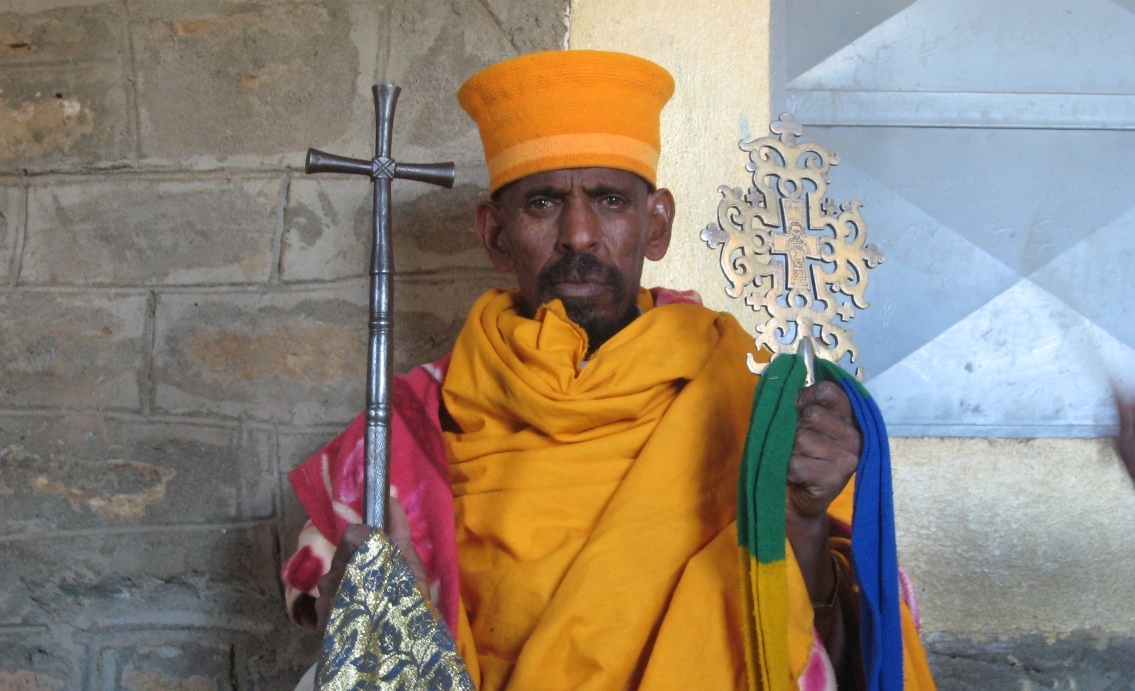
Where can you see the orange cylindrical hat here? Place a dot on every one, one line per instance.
(568, 109)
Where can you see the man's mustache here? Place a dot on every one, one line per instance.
(577, 268)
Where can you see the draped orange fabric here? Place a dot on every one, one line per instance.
(596, 502)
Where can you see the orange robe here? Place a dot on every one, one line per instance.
(596, 502)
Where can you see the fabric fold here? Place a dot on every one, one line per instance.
(888, 661)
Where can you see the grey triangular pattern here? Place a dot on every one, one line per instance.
(816, 29)
(961, 45)
(932, 276)
(1128, 5)
(977, 379)
(1091, 274)
(1000, 189)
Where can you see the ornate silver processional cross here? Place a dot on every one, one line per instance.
(381, 169)
(799, 260)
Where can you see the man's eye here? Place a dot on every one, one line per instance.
(540, 203)
(614, 200)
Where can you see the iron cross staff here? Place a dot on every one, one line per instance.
(381, 169)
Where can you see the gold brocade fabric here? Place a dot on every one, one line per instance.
(382, 634)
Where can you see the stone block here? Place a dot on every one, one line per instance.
(430, 311)
(429, 49)
(278, 662)
(176, 665)
(532, 26)
(271, 77)
(296, 357)
(11, 225)
(73, 33)
(155, 609)
(1081, 660)
(38, 661)
(208, 659)
(87, 471)
(62, 88)
(433, 49)
(143, 232)
(222, 577)
(328, 227)
(71, 350)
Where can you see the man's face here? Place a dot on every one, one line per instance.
(579, 235)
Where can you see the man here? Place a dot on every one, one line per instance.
(568, 476)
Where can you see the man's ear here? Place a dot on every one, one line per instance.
(489, 220)
(660, 206)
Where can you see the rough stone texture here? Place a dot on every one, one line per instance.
(279, 73)
(36, 660)
(149, 232)
(184, 666)
(11, 223)
(87, 471)
(62, 88)
(222, 576)
(430, 312)
(184, 312)
(71, 350)
(434, 49)
(296, 357)
(209, 587)
(1079, 661)
(328, 229)
(531, 26)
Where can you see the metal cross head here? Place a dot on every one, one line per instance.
(382, 169)
(382, 166)
(795, 256)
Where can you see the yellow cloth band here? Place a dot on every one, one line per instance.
(548, 153)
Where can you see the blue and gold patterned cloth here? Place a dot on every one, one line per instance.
(382, 633)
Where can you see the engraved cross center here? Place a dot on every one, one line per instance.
(796, 245)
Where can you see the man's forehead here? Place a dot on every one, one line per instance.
(566, 178)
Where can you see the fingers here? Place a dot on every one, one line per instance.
(827, 395)
(825, 424)
(825, 451)
(353, 537)
(397, 529)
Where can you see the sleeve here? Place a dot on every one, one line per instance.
(329, 485)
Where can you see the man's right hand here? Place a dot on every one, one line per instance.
(398, 530)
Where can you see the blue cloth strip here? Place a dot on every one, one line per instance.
(873, 551)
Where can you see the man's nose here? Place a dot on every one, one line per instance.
(579, 227)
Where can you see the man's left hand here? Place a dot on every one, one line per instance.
(825, 453)
(824, 456)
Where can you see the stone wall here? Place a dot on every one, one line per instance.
(184, 310)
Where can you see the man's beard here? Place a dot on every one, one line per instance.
(578, 268)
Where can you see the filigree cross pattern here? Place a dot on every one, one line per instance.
(798, 259)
